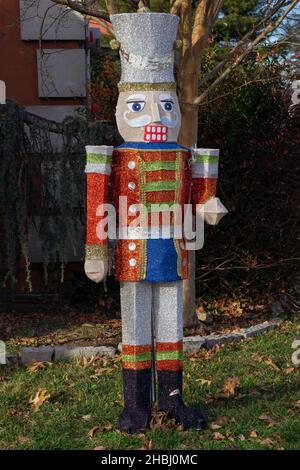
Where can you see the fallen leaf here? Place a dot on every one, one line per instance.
(219, 423)
(218, 436)
(87, 417)
(256, 357)
(40, 397)
(93, 431)
(289, 370)
(24, 440)
(272, 364)
(100, 371)
(107, 426)
(222, 420)
(268, 442)
(99, 448)
(158, 420)
(271, 421)
(36, 366)
(253, 433)
(230, 385)
(180, 428)
(242, 437)
(215, 426)
(204, 382)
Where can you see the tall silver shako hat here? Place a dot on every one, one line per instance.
(146, 45)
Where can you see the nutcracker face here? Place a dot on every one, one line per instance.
(148, 116)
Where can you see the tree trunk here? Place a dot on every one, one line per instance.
(188, 85)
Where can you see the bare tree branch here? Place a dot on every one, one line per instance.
(243, 41)
(269, 29)
(206, 14)
(112, 6)
(85, 8)
(175, 6)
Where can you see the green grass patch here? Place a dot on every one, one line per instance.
(262, 411)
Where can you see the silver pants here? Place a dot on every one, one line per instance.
(165, 301)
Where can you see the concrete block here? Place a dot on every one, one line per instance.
(212, 340)
(41, 354)
(72, 352)
(262, 328)
(193, 344)
(12, 359)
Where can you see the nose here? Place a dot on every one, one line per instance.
(155, 112)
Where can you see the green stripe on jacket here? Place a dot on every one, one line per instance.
(159, 186)
(160, 165)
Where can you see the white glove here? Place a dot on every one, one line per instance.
(96, 269)
(212, 211)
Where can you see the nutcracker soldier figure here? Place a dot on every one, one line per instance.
(150, 169)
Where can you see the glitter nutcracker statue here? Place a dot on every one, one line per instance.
(149, 169)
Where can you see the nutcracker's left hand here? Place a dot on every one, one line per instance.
(212, 211)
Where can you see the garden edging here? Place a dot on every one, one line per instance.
(191, 345)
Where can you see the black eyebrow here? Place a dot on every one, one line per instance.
(136, 101)
(167, 101)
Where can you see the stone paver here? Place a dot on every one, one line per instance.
(40, 354)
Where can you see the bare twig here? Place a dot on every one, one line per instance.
(241, 43)
(112, 6)
(269, 29)
(86, 8)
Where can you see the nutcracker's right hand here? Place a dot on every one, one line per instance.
(96, 269)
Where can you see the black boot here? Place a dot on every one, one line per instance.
(170, 400)
(137, 410)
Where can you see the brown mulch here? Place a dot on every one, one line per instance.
(64, 324)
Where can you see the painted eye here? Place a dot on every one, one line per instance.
(136, 106)
(168, 106)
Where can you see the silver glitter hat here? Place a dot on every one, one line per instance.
(146, 48)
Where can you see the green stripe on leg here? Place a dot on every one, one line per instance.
(136, 357)
(169, 356)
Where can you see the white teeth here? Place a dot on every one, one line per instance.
(156, 133)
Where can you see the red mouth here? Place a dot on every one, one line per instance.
(156, 133)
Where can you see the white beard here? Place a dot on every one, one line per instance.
(139, 121)
(146, 119)
(168, 122)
